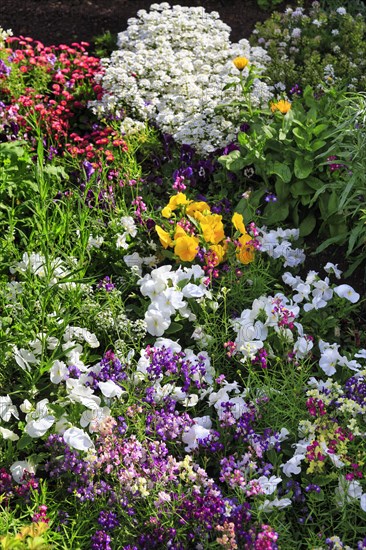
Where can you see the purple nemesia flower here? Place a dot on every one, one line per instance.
(101, 541)
(108, 520)
(89, 170)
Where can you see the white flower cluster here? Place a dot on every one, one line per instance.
(277, 244)
(167, 292)
(4, 34)
(317, 292)
(171, 67)
(267, 315)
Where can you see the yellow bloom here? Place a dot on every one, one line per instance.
(167, 212)
(196, 209)
(212, 228)
(283, 106)
(240, 62)
(163, 236)
(220, 252)
(179, 232)
(245, 252)
(238, 222)
(186, 248)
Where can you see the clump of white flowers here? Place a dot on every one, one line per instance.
(171, 67)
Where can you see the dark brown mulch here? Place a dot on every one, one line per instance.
(66, 21)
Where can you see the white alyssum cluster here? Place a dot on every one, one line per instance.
(171, 67)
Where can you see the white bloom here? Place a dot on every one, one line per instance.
(77, 439)
(110, 389)
(121, 241)
(269, 485)
(333, 268)
(7, 409)
(128, 224)
(347, 292)
(8, 434)
(292, 466)
(341, 11)
(39, 420)
(269, 505)
(24, 358)
(198, 431)
(156, 322)
(58, 372)
(18, 468)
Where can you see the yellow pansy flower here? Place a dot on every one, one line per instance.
(179, 232)
(246, 252)
(212, 228)
(198, 207)
(186, 248)
(238, 222)
(174, 201)
(164, 237)
(220, 252)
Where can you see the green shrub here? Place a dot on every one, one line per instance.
(314, 47)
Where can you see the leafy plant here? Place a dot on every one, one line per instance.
(307, 48)
(289, 153)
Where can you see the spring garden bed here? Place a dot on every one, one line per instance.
(173, 373)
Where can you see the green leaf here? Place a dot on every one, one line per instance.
(302, 167)
(307, 225)
(233, 161)
(276, 212)
(24, 441)
(173, 328)
(300, 133)
(281, 170)
(317, 144)
(300, 188)
(282, 189)
(319, 128)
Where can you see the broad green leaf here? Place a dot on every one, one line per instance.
(281, 170)
(307, 225)
(302, 167)
(282, 189)
(276, 212)
(300, 188)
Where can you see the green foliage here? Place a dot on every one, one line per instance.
(315, 47)
(290, 156)
(104, 44)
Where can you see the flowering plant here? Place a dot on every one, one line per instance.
(288, 149)
(193, 230)
(171, 67)
(315, 46)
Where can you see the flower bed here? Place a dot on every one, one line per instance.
(169, 379)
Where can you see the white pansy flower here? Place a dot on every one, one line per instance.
(18, 468)
(110, 389)
(156, 322)
(77, 439)
(8, 434)
(39, 420)
(7, 409)
(347, 292)
(58, 372)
